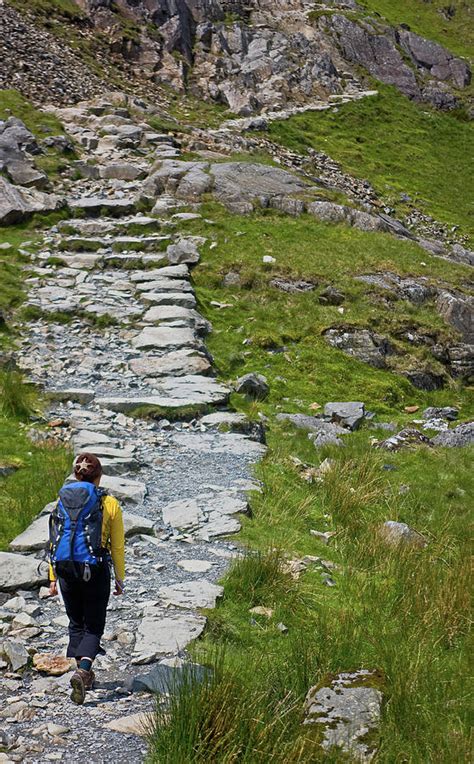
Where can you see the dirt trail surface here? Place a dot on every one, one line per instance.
(133, 339)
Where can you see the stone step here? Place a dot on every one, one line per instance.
(114, 243)
(97, 205)
(170, 397)
(177, 364)
(104, 226)
(162, 338)
(168, 272)
(186, 299)
(165, 285)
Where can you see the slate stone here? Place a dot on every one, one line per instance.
(445, 412)
(134, 524)
(460, 436)
(140, 724)
(124, 489)
(177, 363)
(163, 338)
(253, 385)
(19, 571)
(34, 537)
(199, 593)
(350, 414)
(159, 635)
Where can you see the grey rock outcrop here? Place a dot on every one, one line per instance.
(18, 203)
(462, 435)
(363, 344)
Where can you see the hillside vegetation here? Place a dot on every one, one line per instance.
(404, 150)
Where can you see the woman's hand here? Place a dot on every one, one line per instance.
(118, 587)
(53, 588)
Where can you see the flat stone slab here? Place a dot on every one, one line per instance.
(186, 299)
(159, 635)
(123, 454)
(34, 537)
(350, 414)
(140, 723)
(167, 272)
(19, 571)
(221, 443)
(124, 489)
(177, 363)
(195, 566)
(74, 394)
(92, 438)
(167, 286)
(135, 524)
(165, 313)
(191, 594)
(207, 515)
(95, 204)
(164, 337)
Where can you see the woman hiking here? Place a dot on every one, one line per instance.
(86, 535)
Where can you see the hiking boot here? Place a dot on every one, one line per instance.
(81, 681)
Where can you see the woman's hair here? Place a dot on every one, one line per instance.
(87, 467)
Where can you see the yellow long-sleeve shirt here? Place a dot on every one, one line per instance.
(113, 537)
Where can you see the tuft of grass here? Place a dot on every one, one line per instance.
(16, 396)
(25, 492)
(220, 720)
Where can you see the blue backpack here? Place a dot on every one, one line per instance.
(75, 529)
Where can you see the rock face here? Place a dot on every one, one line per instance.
(361, 343)
(254, 57)
(347, 709)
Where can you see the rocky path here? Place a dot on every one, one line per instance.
(130, 338)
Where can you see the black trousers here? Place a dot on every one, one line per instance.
(86, 608)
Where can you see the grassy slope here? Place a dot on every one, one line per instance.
(427, 19)
(399, 148)
(402, 614)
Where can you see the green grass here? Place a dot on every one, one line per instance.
(430, 20)
(42, 468)
(65, 8)
(264, 319)
(399, 147)
(42, 124)
(402, 613)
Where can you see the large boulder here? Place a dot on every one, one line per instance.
(19, 571)
(239, 184)
(19, 203)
